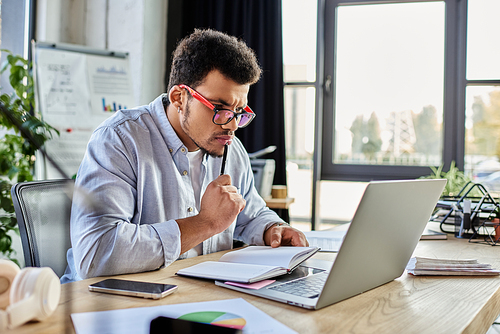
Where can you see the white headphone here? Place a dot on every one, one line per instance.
(27, 294)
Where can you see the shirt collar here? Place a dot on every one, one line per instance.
(159, 115)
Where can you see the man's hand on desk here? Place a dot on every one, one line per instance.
(284, 235)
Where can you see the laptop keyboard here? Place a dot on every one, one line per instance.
(309, 287)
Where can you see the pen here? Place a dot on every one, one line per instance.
(223, 160)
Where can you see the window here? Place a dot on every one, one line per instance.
(404, 85)
(412, 82)
(482, 134)
(14, 31)
(13, 36)
(384, 116)
(389, 71)
(299, 68)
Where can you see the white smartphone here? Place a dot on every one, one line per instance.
(133, 288)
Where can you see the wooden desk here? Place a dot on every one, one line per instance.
(408, 304)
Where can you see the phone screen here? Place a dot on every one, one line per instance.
(162, 325)
(133, 288)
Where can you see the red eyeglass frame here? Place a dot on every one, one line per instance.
(207, 103)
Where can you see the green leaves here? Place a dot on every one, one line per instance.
(6, 239)
(20, 79)
(17, 153)
(5, 201)
(455, 177)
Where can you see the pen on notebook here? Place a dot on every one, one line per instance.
(223, 160)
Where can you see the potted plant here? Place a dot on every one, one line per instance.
(455, 177)
(17, 148)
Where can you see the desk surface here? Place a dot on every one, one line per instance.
(408, 304)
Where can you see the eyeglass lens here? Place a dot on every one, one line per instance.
(225, 116)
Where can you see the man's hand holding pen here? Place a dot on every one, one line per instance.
(221, 203)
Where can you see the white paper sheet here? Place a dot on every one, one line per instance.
(328, 241)
(137, 320)
(62, 84)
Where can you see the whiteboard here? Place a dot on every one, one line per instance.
(76, 89)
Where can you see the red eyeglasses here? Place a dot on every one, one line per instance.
(223, 116)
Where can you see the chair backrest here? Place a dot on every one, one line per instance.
(43, 214)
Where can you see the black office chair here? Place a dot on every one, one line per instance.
(43, 214)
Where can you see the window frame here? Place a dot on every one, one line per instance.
(472, 82)
(17, 30)
(453, 99)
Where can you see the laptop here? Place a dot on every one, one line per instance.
(381, 238)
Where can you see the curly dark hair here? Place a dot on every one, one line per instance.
(206, 50)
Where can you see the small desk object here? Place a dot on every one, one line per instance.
(409, 304)
(279, 203)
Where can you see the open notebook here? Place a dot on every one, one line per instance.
(251, 264)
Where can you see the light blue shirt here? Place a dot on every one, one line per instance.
(131, 186)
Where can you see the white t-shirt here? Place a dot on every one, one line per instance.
(195, 159)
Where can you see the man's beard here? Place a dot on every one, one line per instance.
(185, 127)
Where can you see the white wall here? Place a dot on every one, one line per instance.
(134, 26)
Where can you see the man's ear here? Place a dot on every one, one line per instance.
(175, 96)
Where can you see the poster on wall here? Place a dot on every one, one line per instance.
(77, 88)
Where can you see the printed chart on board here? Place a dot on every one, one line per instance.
(76, 91)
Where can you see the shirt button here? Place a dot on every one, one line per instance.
(183, 150)
(185, 173)
(190, 209)
(170, 150)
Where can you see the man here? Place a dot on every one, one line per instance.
(148, 191)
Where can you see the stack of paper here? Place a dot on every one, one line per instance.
(429, 266)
